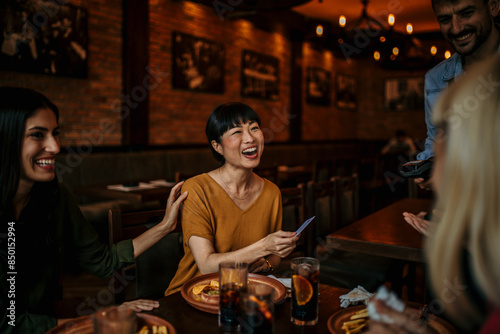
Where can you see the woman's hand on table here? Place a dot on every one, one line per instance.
(403, 322)
(173, 203)
(280, 243)
(418, 222)
(141, 305)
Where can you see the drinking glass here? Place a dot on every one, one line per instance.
(115, 320)
(257, 309)
(305, 291)
(232, 281)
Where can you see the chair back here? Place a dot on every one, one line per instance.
(348, 199)
(155, 268)
(322, 202)
(270, 173)
(323, 169)
(294, 214)
(179, 176)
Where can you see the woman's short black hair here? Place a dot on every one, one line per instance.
(16, 106)
(225, 117)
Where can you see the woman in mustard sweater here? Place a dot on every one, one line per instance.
(232, 214)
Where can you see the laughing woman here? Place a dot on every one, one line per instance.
(44, 225)
(232, 214)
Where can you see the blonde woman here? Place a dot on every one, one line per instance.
(463, 248)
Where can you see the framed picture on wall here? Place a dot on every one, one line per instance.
(198, 64)
(319, 85)
(346, 91)
(404, 94)
(259, 75)
(44, 37)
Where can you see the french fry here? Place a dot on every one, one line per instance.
(162, 330)
(357, 322)
(144, 330)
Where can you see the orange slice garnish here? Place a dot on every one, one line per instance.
(303, 289)
(198, 289)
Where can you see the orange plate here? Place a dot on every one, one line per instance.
(338, 318)
(193, 300)
(85, 325)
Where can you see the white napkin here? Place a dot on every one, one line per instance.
(287, 282)
(355, 296)
(390, 299)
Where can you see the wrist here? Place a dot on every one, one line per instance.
(270, 269)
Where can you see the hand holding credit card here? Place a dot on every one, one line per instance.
(304, 225)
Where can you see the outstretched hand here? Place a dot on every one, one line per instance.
(173, 204)
(418, 222)
(280, 243)
(141, 305)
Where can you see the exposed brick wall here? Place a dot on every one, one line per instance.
(375, 122)
(86, 104)
(178, 116)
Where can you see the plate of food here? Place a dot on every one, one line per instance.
(146, 324)
(202, 292)
(354, 319)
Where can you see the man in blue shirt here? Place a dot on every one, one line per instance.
(469, 27)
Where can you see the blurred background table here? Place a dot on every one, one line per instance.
(135, 194)
(384, 233)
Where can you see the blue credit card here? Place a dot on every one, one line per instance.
(304, 225)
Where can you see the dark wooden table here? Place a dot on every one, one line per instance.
(384, 233)
(187, 319)
(159, 193)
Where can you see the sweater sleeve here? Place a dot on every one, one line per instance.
(100, 259)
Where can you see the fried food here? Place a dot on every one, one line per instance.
(198, 289)
(154, 330)
(357, 322)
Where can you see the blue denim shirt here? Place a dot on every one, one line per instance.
(437, 79)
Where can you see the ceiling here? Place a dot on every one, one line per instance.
(418, 12)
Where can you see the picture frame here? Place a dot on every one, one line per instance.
(44, 37)
(318, 89)
(198, 64)
(404, 94)
(259, 75)
(346, 91)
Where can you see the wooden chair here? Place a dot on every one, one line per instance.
(322, 202)
(335, 204)
(348, 199)
(324, 170)
(180, 176)
(155, 268)
(294, 214)
(270, 173)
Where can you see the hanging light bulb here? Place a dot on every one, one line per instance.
(391, 19)
(395, 51)
(409, 28)
(382, 39)
(447, 54)
(319, 30)
(434, 50)
(376, 55)
(342, 21)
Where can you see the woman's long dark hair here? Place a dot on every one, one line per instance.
(16, 106)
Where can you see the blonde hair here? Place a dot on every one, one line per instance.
(469, 198)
